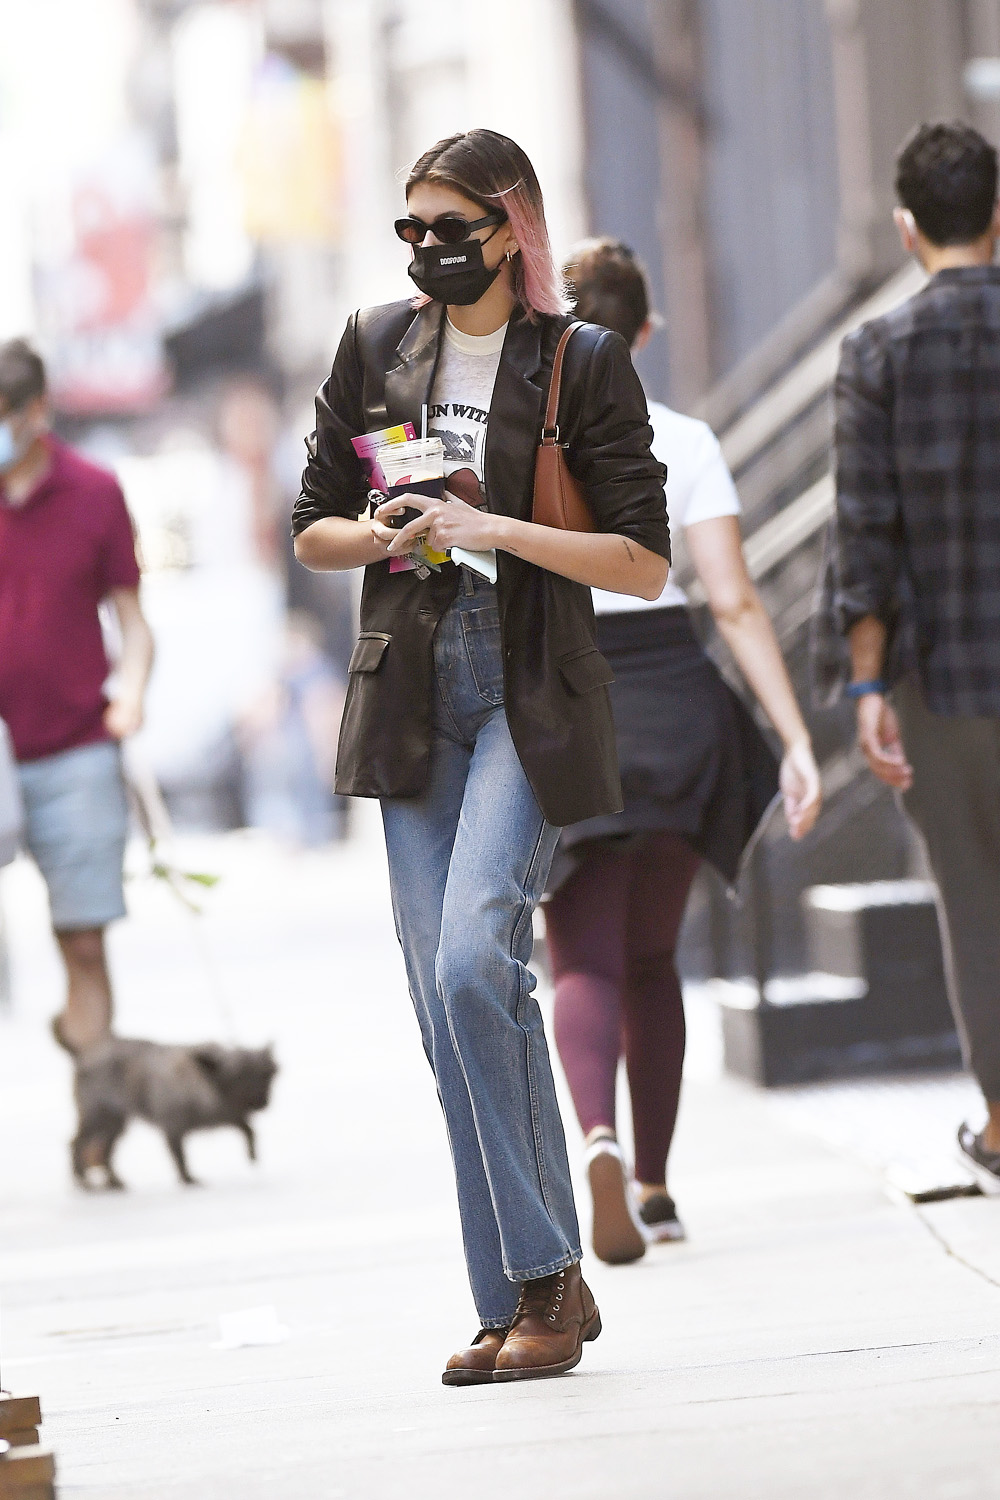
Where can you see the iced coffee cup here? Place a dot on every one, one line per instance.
(414, 468)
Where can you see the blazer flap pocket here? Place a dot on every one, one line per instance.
(368, 653)
(585, 670)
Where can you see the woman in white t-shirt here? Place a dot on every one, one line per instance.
(697, 776)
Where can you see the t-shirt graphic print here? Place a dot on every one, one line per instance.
(459, 410)
(459, 414)
(466, 485)
(462, 445)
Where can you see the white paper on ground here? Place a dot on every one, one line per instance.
(481, 562)
(250, 1326)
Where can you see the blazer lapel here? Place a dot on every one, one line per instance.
(515, 421)
(408, 383)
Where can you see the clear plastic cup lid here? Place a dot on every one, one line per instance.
(417, 456)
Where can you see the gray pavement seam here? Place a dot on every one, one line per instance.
(950, 1251)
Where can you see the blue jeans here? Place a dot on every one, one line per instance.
(468, 862)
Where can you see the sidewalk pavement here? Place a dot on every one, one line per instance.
(815, 1337)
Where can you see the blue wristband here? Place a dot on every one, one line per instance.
(862, 689)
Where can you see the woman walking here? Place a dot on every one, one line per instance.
(697, 776)
(479, 714)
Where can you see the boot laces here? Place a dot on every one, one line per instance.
(541, 1297)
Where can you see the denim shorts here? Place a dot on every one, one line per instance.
(76, 819)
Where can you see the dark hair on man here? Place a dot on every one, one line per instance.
(608, 286)
(22, 374)
(946, 175)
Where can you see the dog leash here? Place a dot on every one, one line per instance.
(154, 819)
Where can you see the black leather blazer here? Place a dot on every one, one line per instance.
(556, 681)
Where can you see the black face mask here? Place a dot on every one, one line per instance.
(454, 274)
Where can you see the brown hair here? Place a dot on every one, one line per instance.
(491, 169)
(608, 286)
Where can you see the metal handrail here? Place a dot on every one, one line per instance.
(771, 543)
(774, 541)
(814, 374)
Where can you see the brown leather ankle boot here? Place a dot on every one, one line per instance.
(555, 1317)
(474, 1366)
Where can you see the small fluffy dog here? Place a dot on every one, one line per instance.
(180, 1089)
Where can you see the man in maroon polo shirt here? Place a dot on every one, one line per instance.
(66, 545)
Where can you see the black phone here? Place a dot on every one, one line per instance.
(397, 522)
(430, 487)
(394, 523)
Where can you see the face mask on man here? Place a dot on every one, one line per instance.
(453, 274)
(10, 449)
(19, 429)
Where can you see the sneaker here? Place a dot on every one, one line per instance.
(660, 1221)
(617, 1238)
(984, 1165)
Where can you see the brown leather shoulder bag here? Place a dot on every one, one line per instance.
(559, 499)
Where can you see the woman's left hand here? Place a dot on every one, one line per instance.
(800, 788)
(441, 524)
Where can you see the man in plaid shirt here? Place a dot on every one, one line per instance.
(918, 562)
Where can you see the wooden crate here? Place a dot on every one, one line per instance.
(20, 1419)
(27, 1474)
(27, 1471)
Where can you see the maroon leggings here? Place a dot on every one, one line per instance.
(612, 929)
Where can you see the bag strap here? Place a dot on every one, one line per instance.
(550, 432)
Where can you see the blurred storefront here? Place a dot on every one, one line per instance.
(173, 191)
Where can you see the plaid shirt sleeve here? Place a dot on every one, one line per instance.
(869, 530)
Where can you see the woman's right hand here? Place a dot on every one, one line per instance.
(801, 789)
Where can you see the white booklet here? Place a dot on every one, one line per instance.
(480, 562)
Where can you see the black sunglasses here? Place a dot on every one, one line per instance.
(449, 229)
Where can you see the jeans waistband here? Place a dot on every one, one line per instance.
(474, 590)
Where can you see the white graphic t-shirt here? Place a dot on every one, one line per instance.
(459, 410)
(699, 488)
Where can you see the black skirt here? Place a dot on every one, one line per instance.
(692, 759)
